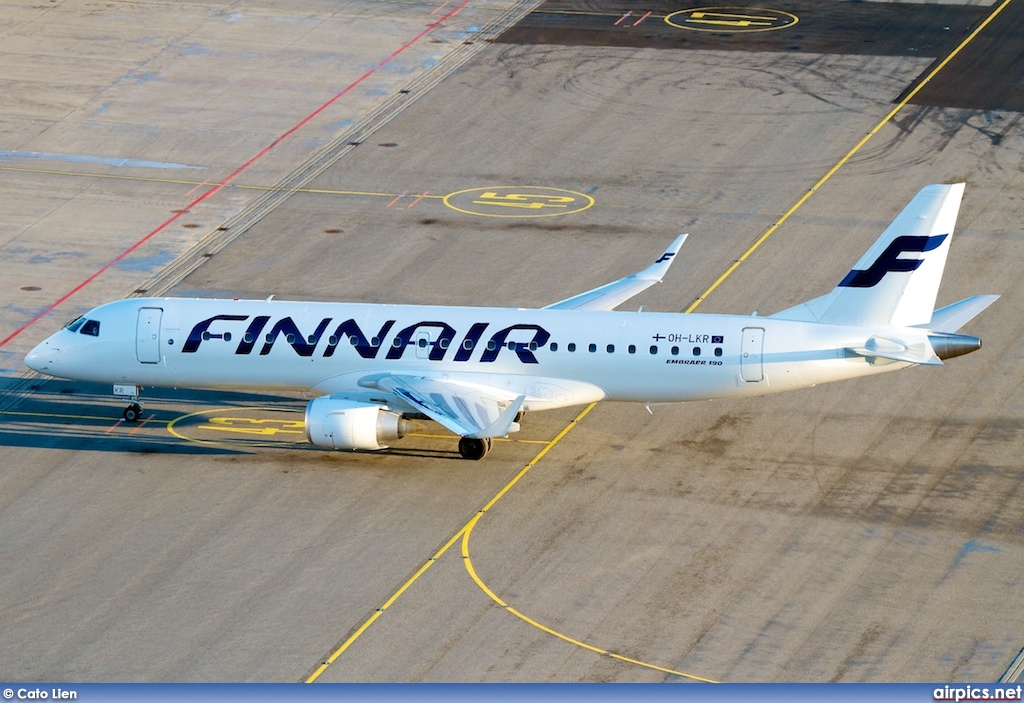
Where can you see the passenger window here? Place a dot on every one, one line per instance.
(611, 348)
(91, 328)
(654, 349)
(696, 351)
(632, 349)
(675, 351)
(554, 346)
(592, 348)
(572, 346)
(718, 351)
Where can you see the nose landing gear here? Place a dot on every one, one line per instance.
(133, 412)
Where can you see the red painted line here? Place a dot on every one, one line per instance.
(114, 426)
(417, 199)
(439, 7)
(628, 13)
(642, 18)
(213, 190)
(139, 426)
(397, 198)
(197, 187)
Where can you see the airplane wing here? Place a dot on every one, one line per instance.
(465, 409)
(609, 296)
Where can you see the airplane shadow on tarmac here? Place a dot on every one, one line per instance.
(72, 415)
(60, 414)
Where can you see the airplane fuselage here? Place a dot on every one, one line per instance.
(555, 358)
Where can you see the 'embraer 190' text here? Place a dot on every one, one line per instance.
(436, 336)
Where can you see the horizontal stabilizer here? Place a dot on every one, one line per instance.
(953, 317)
(609, 296)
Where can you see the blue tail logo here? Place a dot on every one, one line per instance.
(890, 260)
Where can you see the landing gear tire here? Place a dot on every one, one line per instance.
(475, 449)
(132, 413)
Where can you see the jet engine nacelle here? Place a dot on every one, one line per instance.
(348, 424)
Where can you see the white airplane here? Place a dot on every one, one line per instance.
(477, 370)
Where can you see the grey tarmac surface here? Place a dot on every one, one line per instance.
(864, 531)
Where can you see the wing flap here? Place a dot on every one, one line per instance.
(611, 295)
(467, 410)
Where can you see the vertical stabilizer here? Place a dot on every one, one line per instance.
(896, 281)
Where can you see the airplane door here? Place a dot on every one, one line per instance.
(751, 369)
(147, 335)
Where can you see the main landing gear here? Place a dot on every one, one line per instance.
(472, 448)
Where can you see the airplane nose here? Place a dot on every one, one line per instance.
(40, 358)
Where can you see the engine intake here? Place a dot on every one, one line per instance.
(348, 424)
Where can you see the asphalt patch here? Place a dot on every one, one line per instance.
(987, 75)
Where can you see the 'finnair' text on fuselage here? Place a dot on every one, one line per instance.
(369, 347)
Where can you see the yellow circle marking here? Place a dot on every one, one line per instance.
(731, 19)
(518, 201)
(241, 428)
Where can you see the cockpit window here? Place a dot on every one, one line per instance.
(75, 324)
(91, 328)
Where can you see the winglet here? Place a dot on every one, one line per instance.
(609, 296)
(656, 271)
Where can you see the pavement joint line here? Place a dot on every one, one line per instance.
(1014, 670)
